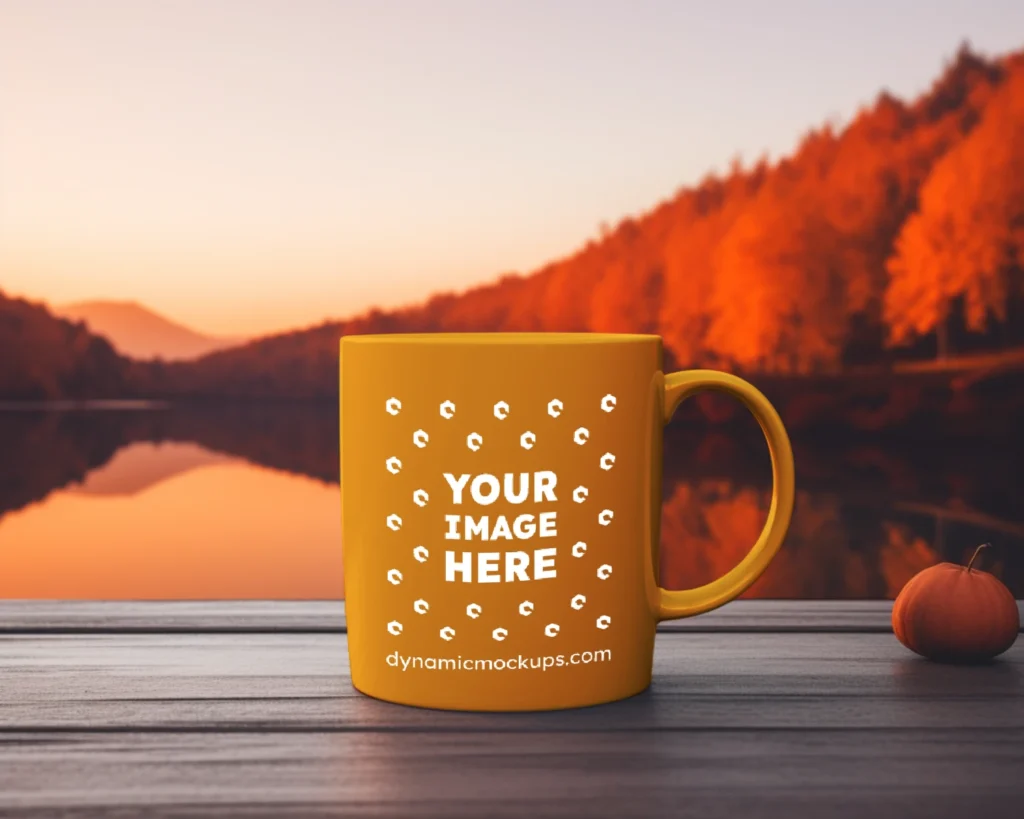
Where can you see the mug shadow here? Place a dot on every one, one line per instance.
(598, 756)
(636, 713)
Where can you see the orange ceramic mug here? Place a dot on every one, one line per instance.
(501, 507)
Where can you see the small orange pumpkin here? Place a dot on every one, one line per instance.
(956, 614)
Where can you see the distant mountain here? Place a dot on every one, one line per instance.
(43, 357)
(144, 464)
(896, 236)
(141, 333)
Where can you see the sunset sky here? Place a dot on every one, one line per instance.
(251, 166)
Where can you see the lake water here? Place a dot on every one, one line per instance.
(243, 502)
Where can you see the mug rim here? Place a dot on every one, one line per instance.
(503, 338)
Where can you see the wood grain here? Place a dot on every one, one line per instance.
(171, 617)
(694, 774)
(300, 682)
(265, 724)
(328, 617)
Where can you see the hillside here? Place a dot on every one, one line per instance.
(897, 236)
(139, 332)
(43, 357)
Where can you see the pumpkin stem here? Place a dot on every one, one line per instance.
(975, 555)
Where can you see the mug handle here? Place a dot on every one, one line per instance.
(680, 386)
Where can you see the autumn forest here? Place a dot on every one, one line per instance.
(898, 237)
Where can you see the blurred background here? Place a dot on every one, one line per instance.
(198, 199)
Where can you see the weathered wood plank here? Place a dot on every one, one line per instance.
(263, 683)
(170, 617)
(768, 774)
(266, 724)
(254, 616)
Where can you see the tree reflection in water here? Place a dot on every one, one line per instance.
(870, 512)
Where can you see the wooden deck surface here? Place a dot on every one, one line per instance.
(245, 709)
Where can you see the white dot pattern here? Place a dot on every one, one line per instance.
(474, 441)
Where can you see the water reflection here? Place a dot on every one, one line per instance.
(242, 502)
(176, 521)
(140, 466)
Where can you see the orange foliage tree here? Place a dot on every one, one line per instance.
(700, 219)
(789, 267)
(967, 239)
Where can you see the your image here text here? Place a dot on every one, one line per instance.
(513, 565)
